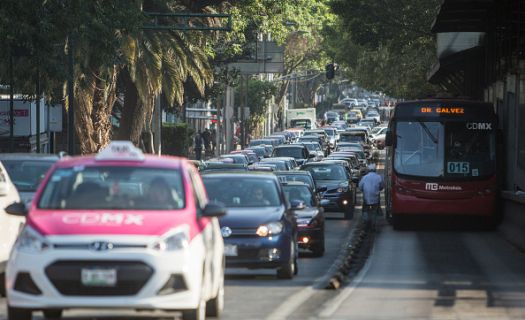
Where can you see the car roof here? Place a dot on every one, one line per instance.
(148, 161)
(320, 163)
(289, 146)
(29, 156)
(280, 158)
(248, 174)
(296, 172)
(294, 183)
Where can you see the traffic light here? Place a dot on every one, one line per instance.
(330, 71)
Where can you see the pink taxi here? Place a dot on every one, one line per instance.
(118, 230)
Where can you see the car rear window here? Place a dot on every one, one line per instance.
(239, 191)
(27, 174)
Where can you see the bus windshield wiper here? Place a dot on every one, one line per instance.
(430, 135)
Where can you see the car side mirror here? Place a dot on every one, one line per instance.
(389, 139)
(355, 179)
(311, 156)
(17, 209)
(215, 209)
(297, 204)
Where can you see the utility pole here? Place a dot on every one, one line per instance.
(37, 108)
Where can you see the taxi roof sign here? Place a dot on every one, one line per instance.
(122, 151)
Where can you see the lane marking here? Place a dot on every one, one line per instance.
(291, 304)
(332, 305)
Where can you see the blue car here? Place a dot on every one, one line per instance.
(260, 229)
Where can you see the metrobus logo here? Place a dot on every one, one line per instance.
(431, 186)
(437, 187)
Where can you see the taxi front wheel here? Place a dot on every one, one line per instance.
(198, 313)
(19, 314)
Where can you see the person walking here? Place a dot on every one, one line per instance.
(371, 185)
(206, 137)
(198, 145)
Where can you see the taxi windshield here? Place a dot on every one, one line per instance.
(111, 187)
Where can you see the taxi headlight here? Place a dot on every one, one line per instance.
(31, 241)
(269, 229)
(175, 239)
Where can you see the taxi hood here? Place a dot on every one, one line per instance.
(113, 222)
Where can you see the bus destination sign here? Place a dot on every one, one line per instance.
(443, 110)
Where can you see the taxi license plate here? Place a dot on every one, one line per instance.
(99, 277)
(230, 250)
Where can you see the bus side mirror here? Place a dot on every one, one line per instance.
(389, 140)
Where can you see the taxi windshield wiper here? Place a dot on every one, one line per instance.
(430, 135)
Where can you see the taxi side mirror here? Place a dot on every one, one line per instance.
(214, 210)
(17, 209)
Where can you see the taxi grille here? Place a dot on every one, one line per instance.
(66, 277)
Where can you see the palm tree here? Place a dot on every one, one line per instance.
(159, 62)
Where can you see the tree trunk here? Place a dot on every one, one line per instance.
(103, 101)
(94, 100)
(279, 102)
(132, 118)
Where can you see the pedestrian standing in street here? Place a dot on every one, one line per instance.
(371, 185)
(198, 145)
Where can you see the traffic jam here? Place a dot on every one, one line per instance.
(127, 230)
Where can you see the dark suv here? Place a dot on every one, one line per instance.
(340, 191)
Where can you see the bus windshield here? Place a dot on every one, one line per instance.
(444, 149)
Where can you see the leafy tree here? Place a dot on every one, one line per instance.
(47, 30)
(295, 24)
(388, 46)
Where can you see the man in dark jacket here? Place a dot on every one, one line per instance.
(198, 145)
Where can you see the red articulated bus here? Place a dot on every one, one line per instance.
(441, 160)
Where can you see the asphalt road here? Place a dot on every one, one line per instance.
(435, 275)
(249, 294)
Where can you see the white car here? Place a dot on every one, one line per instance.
(9, 225)
(118, 230)
(374, 115)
